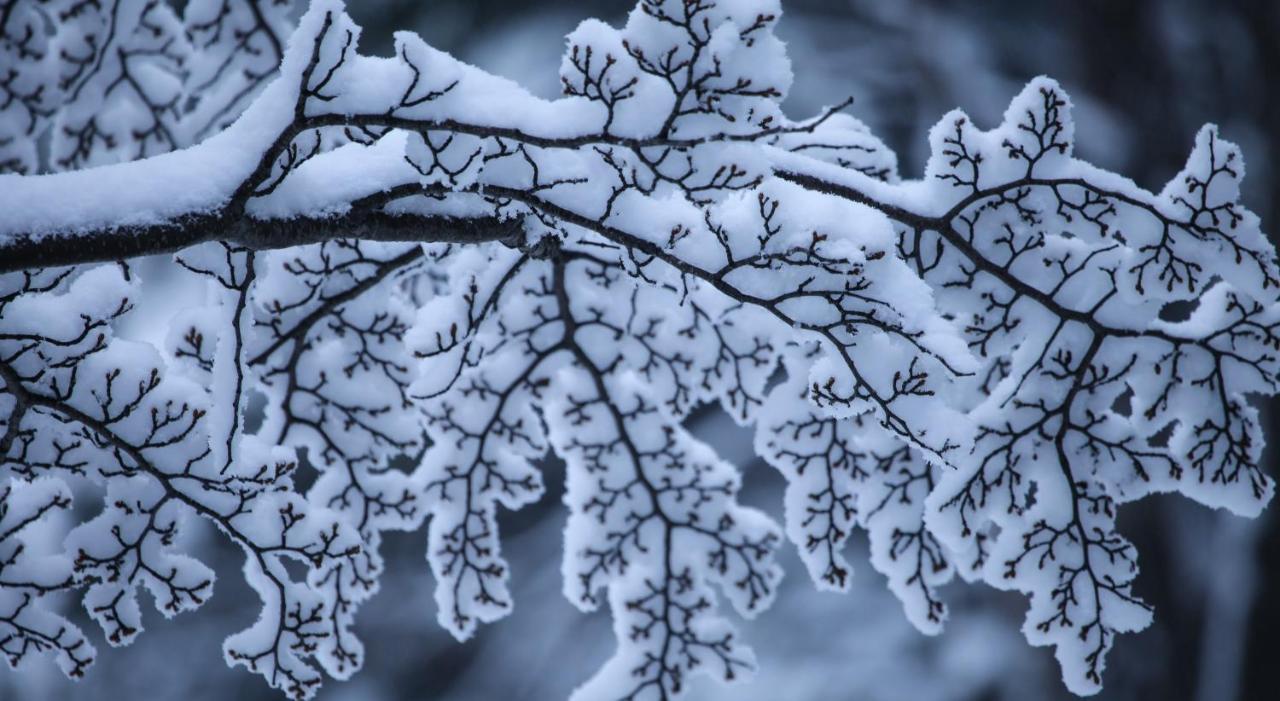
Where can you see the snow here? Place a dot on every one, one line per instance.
(972, 367)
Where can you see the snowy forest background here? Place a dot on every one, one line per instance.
(1144, 74)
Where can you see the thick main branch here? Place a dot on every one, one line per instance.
(122, 243)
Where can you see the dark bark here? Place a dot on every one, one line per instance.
(26, 252)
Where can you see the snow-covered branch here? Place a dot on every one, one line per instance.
(432, 280)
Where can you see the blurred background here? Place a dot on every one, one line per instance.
(1144, 75)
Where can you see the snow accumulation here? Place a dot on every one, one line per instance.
(976, 368)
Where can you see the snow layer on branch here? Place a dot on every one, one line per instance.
(1087, 398)
(976, 368)
(196, 180)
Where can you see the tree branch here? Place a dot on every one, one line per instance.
(120, 243)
